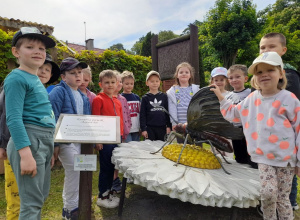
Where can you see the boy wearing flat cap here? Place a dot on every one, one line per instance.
(67, 98)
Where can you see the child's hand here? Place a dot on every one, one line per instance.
(98, 146)
(52, 161)
(55, 153)
(27, 163)
(145, 134)
(173, 128)
(3, 154)
(168, 130)
(217, 91)
(297, 171)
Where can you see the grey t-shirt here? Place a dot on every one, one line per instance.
(79, 101)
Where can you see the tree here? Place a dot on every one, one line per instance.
(137, 47)
(284, 17)
(117, 47)
(166, 35)
(228, 27)
(186, 31)
(146, 45)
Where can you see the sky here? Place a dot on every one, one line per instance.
(110, 22)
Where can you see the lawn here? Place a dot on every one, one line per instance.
(53, 206)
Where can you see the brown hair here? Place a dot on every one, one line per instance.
(279, 35)
(281, 83)
(127, 75)
(235, 67)
(187, 65)
(108, 74)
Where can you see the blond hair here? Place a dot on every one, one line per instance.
(281, 83)
(235, 67)
(127, 75)
(107, 73)
(192, 72)
(87, 71)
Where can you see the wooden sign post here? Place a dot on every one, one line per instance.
(87, 130)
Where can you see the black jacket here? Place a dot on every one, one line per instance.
(151, 116)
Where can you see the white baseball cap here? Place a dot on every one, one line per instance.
(218, 71)
(151, 73)
(271, 58)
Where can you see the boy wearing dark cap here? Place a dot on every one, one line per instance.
(48, 72)
(30, 120)
(67, 98)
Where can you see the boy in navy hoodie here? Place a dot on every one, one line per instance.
(154, 122)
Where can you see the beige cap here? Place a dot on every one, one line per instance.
(271, 58)
(151, 73)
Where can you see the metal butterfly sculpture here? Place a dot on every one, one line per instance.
(205, 124)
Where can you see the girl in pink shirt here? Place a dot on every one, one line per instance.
(270, 117)
(87, 81)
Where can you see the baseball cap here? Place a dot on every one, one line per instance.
(151, 73)
(271, 58)
(71, 63)
(55, 69)
(218, 71)
(33, 31)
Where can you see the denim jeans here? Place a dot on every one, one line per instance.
(135, 136)
(293, 194)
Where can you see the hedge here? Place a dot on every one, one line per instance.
(115, 60)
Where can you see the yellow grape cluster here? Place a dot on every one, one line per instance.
(193, 156)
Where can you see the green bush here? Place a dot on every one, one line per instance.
(5, 53)
(115, 60)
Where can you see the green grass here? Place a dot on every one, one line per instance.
(53, 205)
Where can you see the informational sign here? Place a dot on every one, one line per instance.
(85, 162)
(88, 129)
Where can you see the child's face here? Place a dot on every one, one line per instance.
(73, 77)
(153, 83)
(183, 75)
(31, 54)
(44, 73)
(128, 85)
(237, 80)
(267, 77)
(272, 44)
(86, 79)
(120, 85)
(108, 85)
(220, 81)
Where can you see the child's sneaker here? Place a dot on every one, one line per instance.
(116, 185)
(295, 207)
(112, 196)
(73, 215)
(65, 213)
(106, 201)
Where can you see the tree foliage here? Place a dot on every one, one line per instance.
(166, 35)
(228, 27)
(146, 45)
(284, 17)
(117, 47)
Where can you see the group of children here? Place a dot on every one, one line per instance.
(269, 118)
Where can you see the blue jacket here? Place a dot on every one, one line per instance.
(63, 101)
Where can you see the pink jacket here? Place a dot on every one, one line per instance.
(126, 116)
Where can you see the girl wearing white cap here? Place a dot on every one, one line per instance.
(270, 117)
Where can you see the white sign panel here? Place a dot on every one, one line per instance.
(88, 129)
(85, 162)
